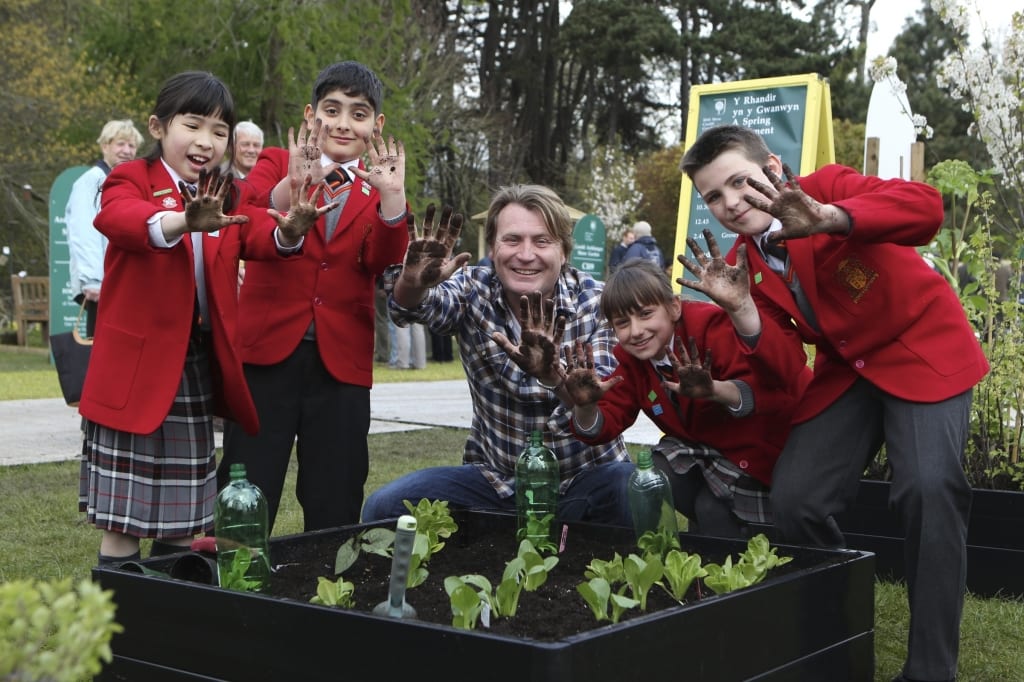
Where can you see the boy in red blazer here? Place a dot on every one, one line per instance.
(896, 360)
(306, 324)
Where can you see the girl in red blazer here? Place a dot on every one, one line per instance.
(726, 416)
(164, 360)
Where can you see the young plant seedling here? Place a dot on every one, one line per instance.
(681, 569)
(598, 595)
(334, 593)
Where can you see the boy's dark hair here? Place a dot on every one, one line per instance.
(636, 283)
(352, 78)
(193, 92)
(714, 141)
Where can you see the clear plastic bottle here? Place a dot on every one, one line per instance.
(240, 522)
(650, 497)
(537, 479)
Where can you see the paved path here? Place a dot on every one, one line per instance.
(48, 430)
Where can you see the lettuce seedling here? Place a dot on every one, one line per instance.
(762, 557)
(466, 602)
(641, 574)
(681, 569)
(610, 571)
(432, 520)
(539, 527)
(331, 593)
(658, 542)
(235, 578)
(598, 595)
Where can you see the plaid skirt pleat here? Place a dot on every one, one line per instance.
(161, 484)
(747, 496)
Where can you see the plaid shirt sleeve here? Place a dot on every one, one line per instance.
(508, 403)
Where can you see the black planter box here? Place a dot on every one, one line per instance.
(813, 622)
(995, 537)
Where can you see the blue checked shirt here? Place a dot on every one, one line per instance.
(507, 402)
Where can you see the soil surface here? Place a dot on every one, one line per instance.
(552, 612)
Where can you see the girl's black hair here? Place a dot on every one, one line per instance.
(193, 92)
(200, 93)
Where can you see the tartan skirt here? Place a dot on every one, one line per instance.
(160, 484)
(747, 496)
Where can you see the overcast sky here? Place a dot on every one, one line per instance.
(889, 16)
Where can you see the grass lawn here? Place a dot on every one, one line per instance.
(43, 535)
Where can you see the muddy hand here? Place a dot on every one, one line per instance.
(537, 352)
(204, 207)
(582, 383)
(800, 214)
(695, 379)
(428, 260)
(727, 285)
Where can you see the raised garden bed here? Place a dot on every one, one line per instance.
(995, 537)
(810, 619)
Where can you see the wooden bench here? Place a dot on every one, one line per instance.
(31, 304)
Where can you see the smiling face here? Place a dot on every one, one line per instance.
(191, 142)
(247, 149)
(723, 183)
(118, 151)
(645, 332)
(349, 119)
(527, 256)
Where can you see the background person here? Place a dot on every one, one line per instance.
(119, 141)
(246, 149)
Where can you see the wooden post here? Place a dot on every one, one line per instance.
(917, 162)
(871, 157)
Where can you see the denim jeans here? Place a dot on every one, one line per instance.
(597, 495)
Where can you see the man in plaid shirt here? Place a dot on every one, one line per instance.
(529, 232)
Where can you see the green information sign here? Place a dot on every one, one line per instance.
(63, 310)
(588, 246)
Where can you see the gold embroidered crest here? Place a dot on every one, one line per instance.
(855, 277)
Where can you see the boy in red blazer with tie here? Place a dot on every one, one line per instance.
(306, 324)
(896, 360)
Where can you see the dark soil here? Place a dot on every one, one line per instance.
(554, 611)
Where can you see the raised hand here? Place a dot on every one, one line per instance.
(303, 213)
(204, 208)
(386, 167)
(537, 352)
(695, 380)
(800, 214)
(582, 383)
(428, 260)
(304, 154)
(727, 285)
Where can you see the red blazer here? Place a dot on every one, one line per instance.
(145, 320)
(776, 371)
(331, 284)
(884, 314)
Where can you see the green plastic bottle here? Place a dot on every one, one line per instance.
(650, 497)
(537, 479)
(240, 521)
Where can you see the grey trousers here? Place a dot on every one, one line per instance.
(816, 478)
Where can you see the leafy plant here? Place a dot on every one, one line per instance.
(55, 631)
(681, 569)
(597, 592)
(235, 578)
(334, 593)
(750, 569)
(641, 575)
(658, 542)
(538, 527)
(527, 571)
(610, 571)
(432, 520)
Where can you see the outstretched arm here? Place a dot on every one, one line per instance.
(428, 260)
(695, 378)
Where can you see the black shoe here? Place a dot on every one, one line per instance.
(903, 678)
